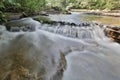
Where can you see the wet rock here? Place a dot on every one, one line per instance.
(14, 16)
(14, 29)
(83, 24)
(96, 24)
(113, 32)
(116, 28)
(67, 23)
(24, 15)
(61, 68)
(73, 24)
(53, 23)
(67, 12)
(88, 24)
(45, 20)
(80, 25)
(61, 23)
(43, 13)
(93, 13)
(25, 24)
(110, 31)
(37, 59)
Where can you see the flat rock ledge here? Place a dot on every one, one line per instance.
(111, 31)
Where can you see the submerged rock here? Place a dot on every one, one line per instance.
(25, 24)
(31, 56)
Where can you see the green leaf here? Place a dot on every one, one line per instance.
(2, 5)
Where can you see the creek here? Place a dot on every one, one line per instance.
(58, 52)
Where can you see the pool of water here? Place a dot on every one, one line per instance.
(103, 19)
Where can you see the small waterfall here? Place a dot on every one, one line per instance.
(79, 32)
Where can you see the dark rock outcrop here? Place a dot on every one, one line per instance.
(25, 24)
(113, 32)
(61, 68)
(110, 31)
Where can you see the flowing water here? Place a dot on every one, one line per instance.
(89, 54)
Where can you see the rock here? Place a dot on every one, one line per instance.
(116, 28)
(80, 25)
(73, 24)
(14, 29)
(23, 15)
(110, 31)
(31, 56)
(68, 12)
(14, 16)
(43, 13)
(83, 24)
(61, 23)
(24, 24)
(61, 68)
(93, 13)
(113, 32)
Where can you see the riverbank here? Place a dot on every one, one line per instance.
(114, 13)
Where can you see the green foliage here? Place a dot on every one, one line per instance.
(36, 5)
(2, 17)
(33, 5)
(112, 4)
(96, 4)
(2, 5)
(26, 5)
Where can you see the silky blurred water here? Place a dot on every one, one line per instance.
(90, 55)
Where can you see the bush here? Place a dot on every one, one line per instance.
(33, 5)
(99, 4)
(2, 17)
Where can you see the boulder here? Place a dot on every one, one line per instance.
(24, 24)
(113, 32)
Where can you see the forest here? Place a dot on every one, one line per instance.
(36, 5)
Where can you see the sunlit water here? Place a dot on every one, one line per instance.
(90, 55)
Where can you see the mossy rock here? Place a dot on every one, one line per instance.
(45, 20)
(42, 19)
(24, 24)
